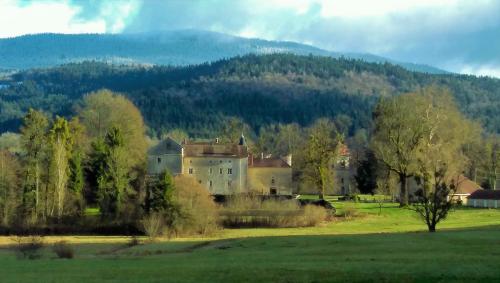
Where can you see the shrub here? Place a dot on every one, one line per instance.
(198, 212)
(252, 211)
(29, 247)
(153, 225)
(63, 250)
(314, 215)
(349, 211)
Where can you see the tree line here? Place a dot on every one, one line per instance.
(62, 166)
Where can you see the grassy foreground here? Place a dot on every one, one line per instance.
(391, 247)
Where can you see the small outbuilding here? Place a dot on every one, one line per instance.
(465, 187)
(484, 198)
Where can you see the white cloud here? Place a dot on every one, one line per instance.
(485, 70)
(62, 17)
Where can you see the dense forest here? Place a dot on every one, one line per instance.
(258, 89)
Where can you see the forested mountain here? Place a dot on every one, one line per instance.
(259, 89)
(180, 48)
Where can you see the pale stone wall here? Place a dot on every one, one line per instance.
(260, 180)
(342, 184)
(220, 175)
(157, 164)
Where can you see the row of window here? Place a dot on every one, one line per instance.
(210, 161)
(229, 183)
(229, 171)
(191, 161)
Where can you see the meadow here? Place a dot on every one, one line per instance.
(392, 246)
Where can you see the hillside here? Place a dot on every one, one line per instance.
(278, 88)
(181, 47)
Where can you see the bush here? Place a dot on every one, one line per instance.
(314, 215)
(198, 212)
(153, 225)
(349, 211)
(29, 247)
(63, 250)
(252, 211)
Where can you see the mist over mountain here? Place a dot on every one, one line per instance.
(179, 48)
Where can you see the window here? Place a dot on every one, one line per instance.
(342, 180)
(190, 170)
(229, 183)
(220, 161)
(229, 171)
(210, 183)
(210, 171)
(273, 181)
(159, 160)
(273, 191)
(220, 170)
(229, 161)
(199, 181)
(190, 161)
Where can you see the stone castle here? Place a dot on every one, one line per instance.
(223, 168)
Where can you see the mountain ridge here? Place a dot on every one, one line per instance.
(176, 47)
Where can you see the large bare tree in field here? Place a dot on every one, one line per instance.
(440, 158)
(398, 135)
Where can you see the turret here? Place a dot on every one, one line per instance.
(242, 140)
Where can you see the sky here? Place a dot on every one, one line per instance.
(457, 35)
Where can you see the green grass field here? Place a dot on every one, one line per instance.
(391, 247)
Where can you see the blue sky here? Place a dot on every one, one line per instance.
(457, 35)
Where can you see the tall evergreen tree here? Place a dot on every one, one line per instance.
(113, 175)
(34, 146)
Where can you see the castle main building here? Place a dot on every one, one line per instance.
(223, 168)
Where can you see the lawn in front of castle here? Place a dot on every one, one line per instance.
(392, 246)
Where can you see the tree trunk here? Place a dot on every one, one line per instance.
(403, 192)
(432, 227)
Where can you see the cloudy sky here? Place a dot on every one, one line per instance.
(456, 35)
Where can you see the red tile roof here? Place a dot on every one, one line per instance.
(466, 186)
(268, 162)
(343, 150)
(215, 150)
